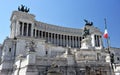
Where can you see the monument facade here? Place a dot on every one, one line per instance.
(37, 48)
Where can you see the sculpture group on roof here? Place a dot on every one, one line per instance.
(88, 23)
(23, 8)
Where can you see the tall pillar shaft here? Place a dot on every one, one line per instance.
(66, 40)
(76, 41)
(17, 28)
(27, 29)
(101, 44)
(21, 25)
(93, 40)
(70, 44)
(22, 29)
(31, 30)
(60, 40)
(57, 39)
(51, 38)
(54, 39)
(35, 32)
(41, 34)
(72, 41)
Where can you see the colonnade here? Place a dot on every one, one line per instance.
(59, 39)
(98, 40)
(55, 38)
(25, 29)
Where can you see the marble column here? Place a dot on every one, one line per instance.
(35, 32)
(57, 39)
(51, 38)
(101, 44)
(48, 37)
(70, 44)
(66, 40)
(54, 39)
(101, 41)
(32, 24)
(27, 29)
(60, 40)
(22, 29)
(73, 41)
(41, 34)
(21, 25)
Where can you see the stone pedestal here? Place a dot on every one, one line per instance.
(86, 43)
(31, 58)
(70, 57)
(108, 58)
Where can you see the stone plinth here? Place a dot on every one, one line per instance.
(86, 43)
(31, 58)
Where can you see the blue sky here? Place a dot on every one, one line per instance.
(67, 13)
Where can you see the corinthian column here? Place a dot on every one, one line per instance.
(27, 29)
(22, 29)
